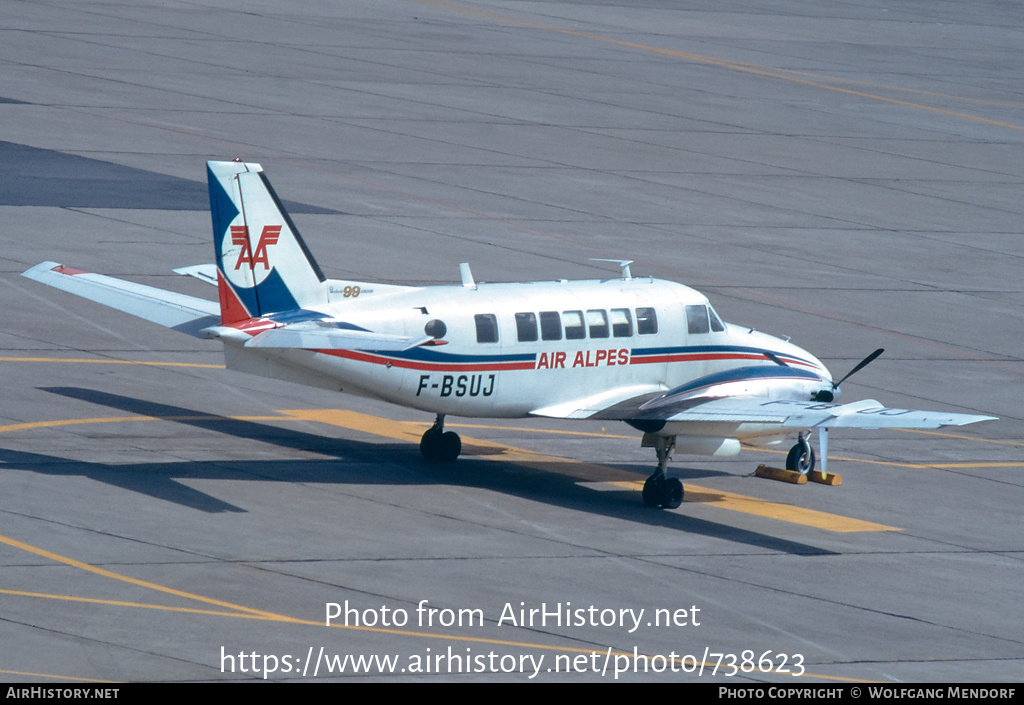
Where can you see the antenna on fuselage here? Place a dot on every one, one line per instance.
(624, 263)
(467, 276)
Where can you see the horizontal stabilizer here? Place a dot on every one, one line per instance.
(202, 272)
(187, 314)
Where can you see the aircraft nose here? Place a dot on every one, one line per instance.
(826, 376)
(828, 392)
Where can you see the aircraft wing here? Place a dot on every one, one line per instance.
(620, 403)
(867, 413)
(187, 314)
(639, 404)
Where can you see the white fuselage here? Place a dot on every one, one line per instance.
(491, 360)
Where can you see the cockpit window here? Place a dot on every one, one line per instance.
(646, 321)
(526, 327)
(697, 320)
(716, 322)
(486, 328)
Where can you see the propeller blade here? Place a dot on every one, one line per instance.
(860, 366)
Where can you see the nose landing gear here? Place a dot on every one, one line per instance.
(801, 456)
(661, 491)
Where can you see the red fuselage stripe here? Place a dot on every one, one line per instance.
(432, 366)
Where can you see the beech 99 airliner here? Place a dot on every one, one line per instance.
(648, 352)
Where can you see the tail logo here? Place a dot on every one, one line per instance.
(240, 236)
(255, 261)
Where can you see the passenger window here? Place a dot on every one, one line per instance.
(716, 322)
(486, 328)
(526, 327)
(697, 320)
(574, 329)
(550, 325)
(622, 323)
(597, 323)
(646, 321)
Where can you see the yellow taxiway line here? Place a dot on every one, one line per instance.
(590, 473)
(241, 611)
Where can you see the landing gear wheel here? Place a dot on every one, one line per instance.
(673, 494)
(439, 445)
(663, 492)
(653, 491)
(660, 491)
(449, 447)
(429, 442)
(801, 457)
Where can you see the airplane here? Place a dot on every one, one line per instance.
(649, 352)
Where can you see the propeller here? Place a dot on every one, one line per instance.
(828, 395)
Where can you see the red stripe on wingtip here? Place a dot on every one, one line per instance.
(70, 271)
(254, 326)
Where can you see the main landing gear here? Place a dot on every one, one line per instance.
(439, 445)
(661, 491)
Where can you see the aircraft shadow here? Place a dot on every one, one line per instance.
(392, 463)
(31, 176)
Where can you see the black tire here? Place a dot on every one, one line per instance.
(449, 447)
(801, 458)
(654, 491)
(430, 443)
(440, 447)
(673, 494)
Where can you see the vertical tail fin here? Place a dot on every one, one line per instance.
(264, 266)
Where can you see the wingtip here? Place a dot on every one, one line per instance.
(44, 269)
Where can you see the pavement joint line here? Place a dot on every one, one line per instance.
(755, 69)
